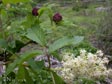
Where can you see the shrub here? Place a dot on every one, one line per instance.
(86, 65)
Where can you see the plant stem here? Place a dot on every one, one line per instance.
(52, 78)
(48, 57)
(49, 67)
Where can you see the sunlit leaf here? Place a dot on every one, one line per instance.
(14, 1)
(21, 73)
(59, 44)
(64, 42)
(36, 34)
(41, 10)
(77, 39)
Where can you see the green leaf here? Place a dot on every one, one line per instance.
(11, 76)
(16, 45)
(64, 42)
(28, 77)
(28, 21)
(50, 13)
(41, 10)
(24, 74)
(57, 79)
(28, 55)
(36, 34)
(3, 43)
(14, 1)
(21, 59)
(21, 73)
(56, 55)
(77, 39)
(1, 80)
(36, 66)
(11, 67)
(3, 15)
(59, 44)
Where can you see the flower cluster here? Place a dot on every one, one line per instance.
(87, 65)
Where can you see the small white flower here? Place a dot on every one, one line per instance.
(82, 52)
(99, 53)
(105, 60)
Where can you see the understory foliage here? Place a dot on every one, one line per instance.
(24, 22)
(86, 66)
(21, 24)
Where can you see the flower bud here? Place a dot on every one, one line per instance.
(57, 17)
(35, 11)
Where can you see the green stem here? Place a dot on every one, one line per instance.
(49, 67)
(48, 57)
(52, 78)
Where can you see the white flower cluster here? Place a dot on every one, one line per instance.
(86, 65)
